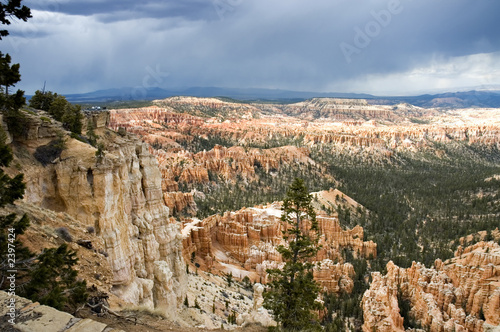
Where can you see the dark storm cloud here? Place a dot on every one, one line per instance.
(421, 30)
(452, 27)
(317, 45)
(127, 9)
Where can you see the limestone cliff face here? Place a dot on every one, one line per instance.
(248, 238)
(120, 196)
(462, 294)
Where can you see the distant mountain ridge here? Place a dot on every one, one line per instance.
(473, 98)
(128, 94)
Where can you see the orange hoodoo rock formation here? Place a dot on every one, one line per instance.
(245, 242)
(229, 163)
(462, 294)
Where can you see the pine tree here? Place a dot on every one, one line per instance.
(10, 72)
(292, 290)
(10, 9)
(229, 278)
(59, 107)
(91, 135)
(42, 100)
(10, 104)
(72, 119)
(53, 281)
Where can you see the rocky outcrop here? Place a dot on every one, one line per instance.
(380, 307)
(97, 119)
(178, 202)
(40, 128)
(258, 315)
(333, 238)
(120, 196)
(462, 294)
(20, 314)
(334, 277)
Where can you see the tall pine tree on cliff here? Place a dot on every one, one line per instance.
(10, 104)
(292, 290)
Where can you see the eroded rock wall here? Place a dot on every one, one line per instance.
(248, 238)
(462, 294)
(120, 196)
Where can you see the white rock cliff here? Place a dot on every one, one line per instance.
(120, 196)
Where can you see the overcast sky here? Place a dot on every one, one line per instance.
(382, 47)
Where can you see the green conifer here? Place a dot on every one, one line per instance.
(292, 290)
